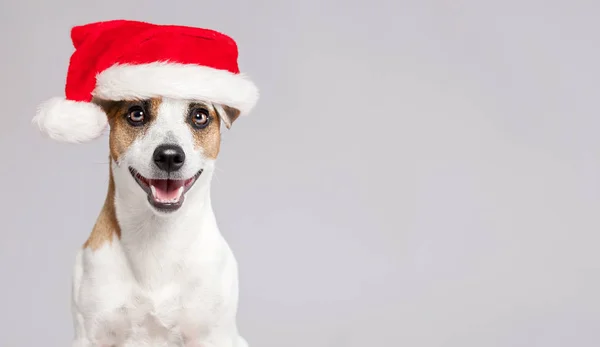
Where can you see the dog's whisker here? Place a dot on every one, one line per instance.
(216, 177)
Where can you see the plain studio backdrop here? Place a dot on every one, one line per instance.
(416, 173)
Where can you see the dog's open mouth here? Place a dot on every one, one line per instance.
(165, 194)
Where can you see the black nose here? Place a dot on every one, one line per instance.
(169, 157)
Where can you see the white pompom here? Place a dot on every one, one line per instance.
(70, 121)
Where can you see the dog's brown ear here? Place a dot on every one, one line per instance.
(227, 114)
(107, 105)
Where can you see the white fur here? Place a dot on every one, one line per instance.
(177, 81)
(171, 280)
(70, 121)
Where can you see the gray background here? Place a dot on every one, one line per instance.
(420, 173)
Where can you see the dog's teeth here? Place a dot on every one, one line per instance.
(153, 190)
(179, 193)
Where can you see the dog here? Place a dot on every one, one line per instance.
(155, 269)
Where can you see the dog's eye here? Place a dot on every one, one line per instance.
(136, 116)
(200, 117)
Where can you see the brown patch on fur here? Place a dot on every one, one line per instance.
(106, 227)
(209, 138)
(122, 134)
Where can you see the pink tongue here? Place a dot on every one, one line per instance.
(166, 190)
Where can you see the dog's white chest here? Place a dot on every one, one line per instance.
(188, 304)
(170, 316)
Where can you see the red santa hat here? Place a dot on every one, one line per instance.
(125, 60)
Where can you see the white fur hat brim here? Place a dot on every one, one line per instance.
(178, 81)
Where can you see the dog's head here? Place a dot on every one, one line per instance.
(163, 149)
(185, 81)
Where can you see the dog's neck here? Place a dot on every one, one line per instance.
(154, 245)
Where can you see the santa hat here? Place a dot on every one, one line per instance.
(125, 60)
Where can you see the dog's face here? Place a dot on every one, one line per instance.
(163, 148)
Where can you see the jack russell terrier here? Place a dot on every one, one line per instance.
(155, 270)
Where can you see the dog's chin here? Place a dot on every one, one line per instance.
(165, 195)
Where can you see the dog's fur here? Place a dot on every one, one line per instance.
(148, 277)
